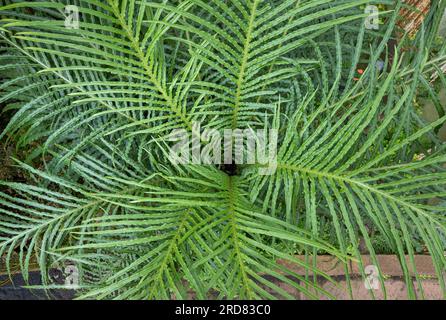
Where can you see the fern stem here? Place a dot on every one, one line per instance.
(242, 71)
(232, 190)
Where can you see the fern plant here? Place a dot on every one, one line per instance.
(93, 106)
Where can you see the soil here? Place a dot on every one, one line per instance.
(14, 291)
(8, 170)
